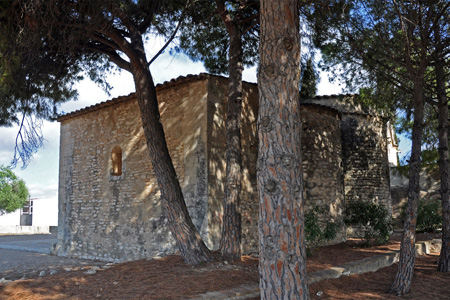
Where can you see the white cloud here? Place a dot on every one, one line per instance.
(7, 142)
(43, 191)
(167, 67)
(325, 87)
(6, 156)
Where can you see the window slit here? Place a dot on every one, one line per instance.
(116, 160)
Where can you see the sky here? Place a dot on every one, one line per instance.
(41, 175)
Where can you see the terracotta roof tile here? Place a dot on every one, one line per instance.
(173, 83)
(162, 86)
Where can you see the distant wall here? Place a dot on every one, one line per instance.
(17, 229)
(429, 189)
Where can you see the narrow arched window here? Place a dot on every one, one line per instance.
(116, 160)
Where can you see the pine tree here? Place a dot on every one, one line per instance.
(389, 43)
(282, 254)
(93, 33)
(226, 26)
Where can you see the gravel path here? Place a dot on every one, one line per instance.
(16, 264)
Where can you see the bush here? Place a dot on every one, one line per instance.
(372, 221)
(429, 215)
(318, 231)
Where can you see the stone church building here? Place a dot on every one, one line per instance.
(109, 202)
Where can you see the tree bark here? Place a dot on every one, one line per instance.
(230, 242)
(115, 29)
(279, 172)
(192, 248)
(405, 271)
(444, 166)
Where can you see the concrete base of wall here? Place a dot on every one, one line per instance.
(427, 247)
(17, 229)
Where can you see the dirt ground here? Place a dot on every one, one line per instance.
(170, 278)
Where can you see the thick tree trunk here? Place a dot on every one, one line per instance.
(444, 166)
(444, 259)
(405, 271)
(192, 248)
(230, 243)
(279, 171)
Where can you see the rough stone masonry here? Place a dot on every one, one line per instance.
(109, 204)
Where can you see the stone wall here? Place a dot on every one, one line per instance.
(118, 218)
(217, 107)
(429, 189)
(322, 164)
(365, 159)
(364, 151)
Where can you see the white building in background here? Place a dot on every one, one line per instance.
(36, 217)
(392, 145)
(10, 219)
(45, 212)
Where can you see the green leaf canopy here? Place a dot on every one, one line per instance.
(13, 192)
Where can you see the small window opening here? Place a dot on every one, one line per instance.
(116, 159)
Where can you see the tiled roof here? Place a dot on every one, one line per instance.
(331, 96)
(322, 106)
(162, 86)
(177, 82)
(343, 107)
